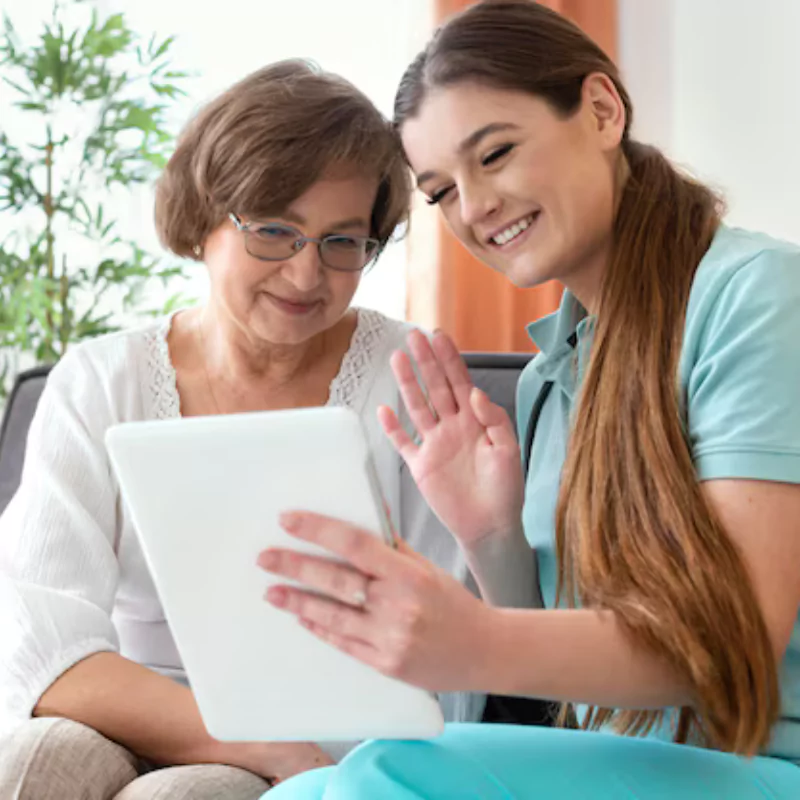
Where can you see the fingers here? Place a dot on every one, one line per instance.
(441, 389)
(396, 434)
(455, 369)
(499, 429)
(337, 618)
(338, 581)
(367, 552)
(419, 411)
(439, 392)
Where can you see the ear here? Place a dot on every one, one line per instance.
(603, 104)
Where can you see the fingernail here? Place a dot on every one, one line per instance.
(290, 521)
(277, 596)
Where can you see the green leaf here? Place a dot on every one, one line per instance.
(16, 86)
(163, 47)
(27, 106)
(168, 90)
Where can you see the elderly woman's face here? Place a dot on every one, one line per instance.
(290, 300)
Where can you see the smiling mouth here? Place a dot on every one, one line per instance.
(293, 306)
(513, 231)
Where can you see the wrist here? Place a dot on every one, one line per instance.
(496, 541)
(250, 756)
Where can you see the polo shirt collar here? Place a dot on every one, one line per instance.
(556, 336)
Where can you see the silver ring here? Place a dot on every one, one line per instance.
(360, 598)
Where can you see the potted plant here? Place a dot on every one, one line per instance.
(92, 99)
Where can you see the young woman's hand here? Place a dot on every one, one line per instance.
(391, 609)
(467, 462)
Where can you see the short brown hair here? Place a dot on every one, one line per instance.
(261, 144)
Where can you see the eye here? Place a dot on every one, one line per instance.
(345, 243)
(497, 154)
(276, 233)
(438, 196)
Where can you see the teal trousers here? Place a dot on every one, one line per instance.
(506, 762)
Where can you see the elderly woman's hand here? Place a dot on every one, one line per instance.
(273, 761)
(391, 609)
(467, 463)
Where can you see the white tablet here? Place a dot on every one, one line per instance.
(205, 494)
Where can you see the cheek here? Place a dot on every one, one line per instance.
(244, 276)
(452, 218)
(240, 279)
(586, 197)
(341, 286)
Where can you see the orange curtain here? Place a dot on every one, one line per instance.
(475, 305)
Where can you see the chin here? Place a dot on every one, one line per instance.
(281, 332)
(527, 274)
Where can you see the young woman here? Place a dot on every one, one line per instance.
(662, 495)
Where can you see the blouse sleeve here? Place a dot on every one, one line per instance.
(58, 566)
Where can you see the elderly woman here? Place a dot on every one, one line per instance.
(287, 187)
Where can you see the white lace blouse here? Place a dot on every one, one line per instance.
(73, 579)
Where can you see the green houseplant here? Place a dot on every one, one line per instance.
(93, 99)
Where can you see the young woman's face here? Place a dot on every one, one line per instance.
(290, 300)
(527, 191)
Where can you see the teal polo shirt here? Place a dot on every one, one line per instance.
(740, 387)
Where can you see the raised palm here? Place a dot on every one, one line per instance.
(467, 464)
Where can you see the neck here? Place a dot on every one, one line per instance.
(237, 358)
(587, 281)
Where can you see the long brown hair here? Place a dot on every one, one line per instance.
(634, 533)
(259, 145)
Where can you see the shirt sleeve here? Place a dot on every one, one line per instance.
(743, 391)
(58, 566)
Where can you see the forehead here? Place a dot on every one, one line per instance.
(337, 195)
(449, 115)
(339, 190)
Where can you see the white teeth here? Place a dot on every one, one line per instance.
(513, 231)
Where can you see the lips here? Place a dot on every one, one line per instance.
(511, 231)
(294, 307)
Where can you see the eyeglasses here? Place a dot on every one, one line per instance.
(274, 241)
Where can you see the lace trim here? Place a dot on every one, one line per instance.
(165, 403)
(349, 387)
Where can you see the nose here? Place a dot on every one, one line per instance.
(304, 270)
(477, 202)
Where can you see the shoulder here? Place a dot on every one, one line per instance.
(108, 369)
(740, 366)
(745, 279)
(376, 338)
(389, 332)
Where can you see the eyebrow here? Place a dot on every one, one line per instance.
(352, 222)
(473, 140)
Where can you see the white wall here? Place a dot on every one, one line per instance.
(716, 84)
(370, 42)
